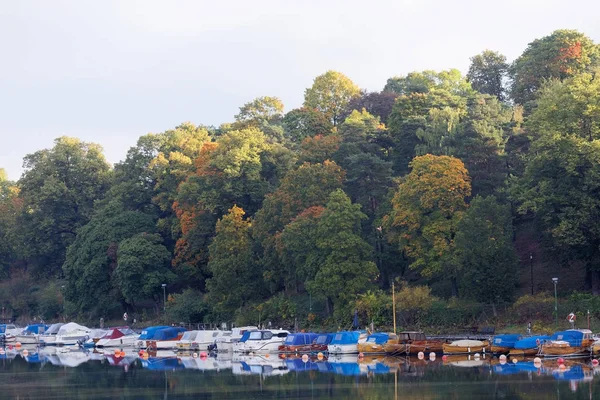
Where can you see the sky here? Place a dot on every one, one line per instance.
(110, 71)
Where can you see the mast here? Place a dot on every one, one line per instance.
(394, 305)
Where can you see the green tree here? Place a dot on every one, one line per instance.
(93, 257)
(427, 207)
(423, 82)
(58, 191)
(330, 94)
(485, 252)
(559, 55)
(142, 266)
(10, 208)
(235, 276)
(347, 258)
(487, 73)
(305, 122)
(263, 113)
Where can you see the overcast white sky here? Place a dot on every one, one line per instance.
(109, 71)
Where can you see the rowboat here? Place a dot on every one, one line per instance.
(298, 343)
(570, 343)
(400, 345)
(425, 346)
(465, 347)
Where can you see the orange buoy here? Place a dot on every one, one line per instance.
(320, 355)
(18, 345)
(514, 360)
(267, 355)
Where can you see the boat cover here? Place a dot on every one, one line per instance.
(325, 338)
(299, 339)
(574, 338)
(530, 342)
(148, 333)
(348, 337)
(378, 338)
(71, 327)
(506, 340)
(167, 333)
(53, 330)
(35, 329)
(467, 343)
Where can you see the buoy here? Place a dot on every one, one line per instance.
(514, 360)
(267, 355)
(141, 353)
(476, 356)
(195, 355)
(360, 355)
(503, 357)
(251, 354)
(560, 361)
(145, 356)
(444, 357)
(304, 358)
(320, 355)
(562, 366)
(25, 353)
(432, 356)
(18, 345)
(203, 354)
(594, 362)
(421, 355)
(537, 360)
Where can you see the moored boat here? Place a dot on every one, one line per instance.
(346, 342)
(225, 342)
(121, 336)
(71, 333)
(298, 343)
(375, 343)
(198, 340)
(529, 346)
(400, 345)
(31, 334)
(49, 337)
(261, 341)
(465, 347)
(570, 343)
(504, 343)
(164, 339)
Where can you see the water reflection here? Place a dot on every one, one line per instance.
(275, 376)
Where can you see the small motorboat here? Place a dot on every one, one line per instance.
(121, 336)
(198, 340)
(298, 343)
(49, 337)
(375, 343)
(346, 342)
(570, 343)
(71, 334)
(224, 343)
(465, 347)
(529, 346)
(160, 338)
(262, 341)
(503, 344)
(31, 334)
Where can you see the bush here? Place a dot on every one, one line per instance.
(188, 306)
(530, 308)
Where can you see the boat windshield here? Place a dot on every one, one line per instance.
(188, 336)
(256, 335)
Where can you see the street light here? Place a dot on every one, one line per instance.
(164, 286)
(555, 281)
(531, 270)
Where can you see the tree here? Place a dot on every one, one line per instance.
(427, 206)
(423, 82)
(232, 264)
(10, 208)
(487, 73)
(485, 252)
(330, 94)
(142, 266)
(263, 113)
(559, 55)
(318, 149)
(58, 191)
(347, 258)
(93, 257)
(305, 122)
(378, 104)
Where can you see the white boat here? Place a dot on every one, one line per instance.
(160, 338)
(346, 342)
(206, 363)
(225, 342)
(94, 336)
(71, 333)
(49, 337)
(198, 340)
(258, 365)
(8, 333)
(31, 334)
(118, 337)
(263, 341)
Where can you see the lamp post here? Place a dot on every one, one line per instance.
(555, 281)
(531, 270)
(164, 286)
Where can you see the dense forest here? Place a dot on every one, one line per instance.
(454, 187)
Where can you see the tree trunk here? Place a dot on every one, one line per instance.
(329, 306)
(454, 286)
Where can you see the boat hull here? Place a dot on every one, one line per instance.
(125, 341)
(429, 346)
(449, 349)
(370, 348)
(565, 351)
(343, 348)
(257, 346)
(500, 349)
(395, 348)
(524, 352)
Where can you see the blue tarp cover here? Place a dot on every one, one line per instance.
(325, 338)
(378, 338)
(167, 333)
(162, 364)
(36, 328)
(506, 340)
(574, 338)
(346, 337)
(148, 333)
(299, 339)
(530, 342)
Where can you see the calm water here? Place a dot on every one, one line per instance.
(58, 374)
